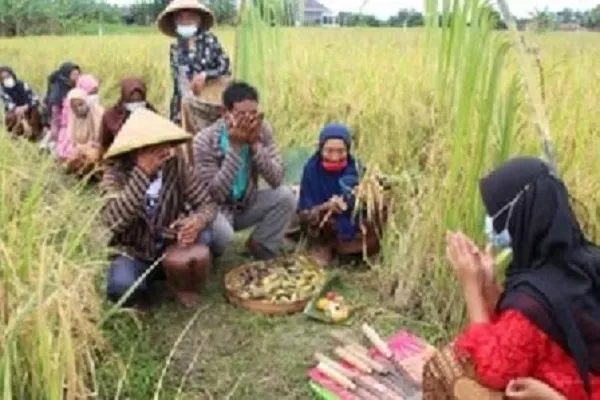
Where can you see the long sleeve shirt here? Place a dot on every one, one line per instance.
(217, 170)
(10, 104)
(512, 346)
(134, 232)
(206, 56)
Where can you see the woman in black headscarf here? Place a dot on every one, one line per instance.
(546, 323)
(60, 82)
(21, 105)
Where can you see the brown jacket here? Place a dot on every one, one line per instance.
(133, 232)
(217, 170)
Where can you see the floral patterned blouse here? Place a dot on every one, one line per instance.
(208, 56)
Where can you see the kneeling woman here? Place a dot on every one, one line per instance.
(133, 96)
(325, 206)
(157, 210)
(78, 146)
(21, 105)
(545, 323)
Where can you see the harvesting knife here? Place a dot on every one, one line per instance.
(339, 374)
(384, 349)
(384, 368)
(374, 377)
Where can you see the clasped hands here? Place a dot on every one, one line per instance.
(188, 229)
(244, 128)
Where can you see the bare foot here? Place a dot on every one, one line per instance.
(322, 255)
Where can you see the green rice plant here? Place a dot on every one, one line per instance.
(48, 302)
(258, 42)
(476, 113)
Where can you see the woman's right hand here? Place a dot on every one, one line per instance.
(465, 258)
(337, 204)
(531, 389)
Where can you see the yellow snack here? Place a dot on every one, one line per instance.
(337, 311)
(322, 304)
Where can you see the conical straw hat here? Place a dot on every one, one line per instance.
(145, 128)
(166, 19)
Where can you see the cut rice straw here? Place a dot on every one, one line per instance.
(184, 331)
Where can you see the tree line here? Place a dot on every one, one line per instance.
(36, 17)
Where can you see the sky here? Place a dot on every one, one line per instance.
(385, 8)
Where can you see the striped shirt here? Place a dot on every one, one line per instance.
(218, 170)
(134, 231)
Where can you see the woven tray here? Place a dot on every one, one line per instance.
(262, 306)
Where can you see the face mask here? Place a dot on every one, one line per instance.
(131, 107)
(92, 99)
(186, 31)
(334, 166)
(9, 83)
(500, 240)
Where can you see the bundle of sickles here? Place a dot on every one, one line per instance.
(391, 371)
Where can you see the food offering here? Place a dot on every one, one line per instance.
(280, 286)
(334, 307)
(329, 306)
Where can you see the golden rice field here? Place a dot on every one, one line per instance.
(433, 126)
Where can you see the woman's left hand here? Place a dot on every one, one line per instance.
(531, 389)
(465, 258)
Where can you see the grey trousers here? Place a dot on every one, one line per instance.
(271, 213)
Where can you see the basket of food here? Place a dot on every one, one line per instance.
(203, 108)
(281, 286)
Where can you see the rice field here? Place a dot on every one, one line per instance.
(432, 109)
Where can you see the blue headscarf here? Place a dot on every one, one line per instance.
(318, 185)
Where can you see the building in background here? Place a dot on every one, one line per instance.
(315, 13)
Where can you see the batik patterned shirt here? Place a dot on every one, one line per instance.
(207, 56)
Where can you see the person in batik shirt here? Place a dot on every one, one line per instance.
(196, 57)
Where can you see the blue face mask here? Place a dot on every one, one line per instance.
(500, 240)
(186, 31)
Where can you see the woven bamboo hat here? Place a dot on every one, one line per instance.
(166, 19)
(145, 128)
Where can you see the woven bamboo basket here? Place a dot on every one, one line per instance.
(260, 306)
(201, 111)
(264, 307)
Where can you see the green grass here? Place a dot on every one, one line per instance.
(242, 355)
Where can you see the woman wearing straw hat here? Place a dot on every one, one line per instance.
(197, 57)
(157, 211)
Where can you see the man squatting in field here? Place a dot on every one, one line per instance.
(155, 204)
(230, 156)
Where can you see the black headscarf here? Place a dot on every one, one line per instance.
(554, 277)
(59, 84)
(17, 93)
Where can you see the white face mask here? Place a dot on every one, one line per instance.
(131, 107)
(9, 83)
(186, 31)
(93, 99)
